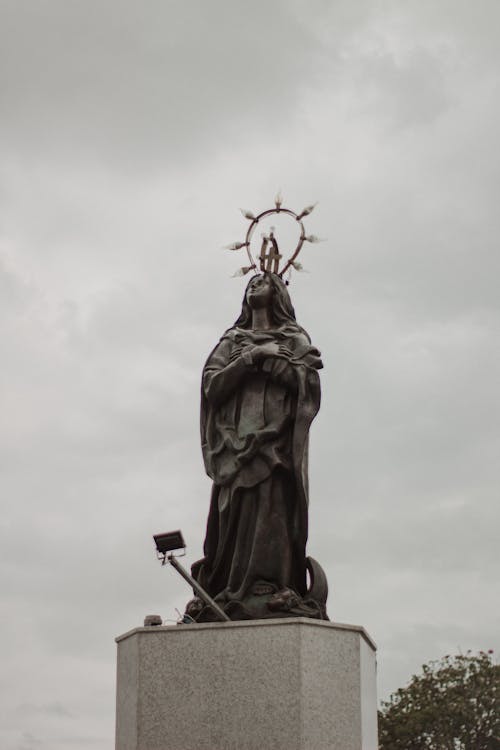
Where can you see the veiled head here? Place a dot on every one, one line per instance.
(269, 290)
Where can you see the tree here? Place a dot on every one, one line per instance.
(451, 705)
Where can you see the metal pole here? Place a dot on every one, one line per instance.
(199, 590)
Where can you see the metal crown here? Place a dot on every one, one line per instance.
(270, 259)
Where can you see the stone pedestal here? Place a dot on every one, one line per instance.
(284, 684)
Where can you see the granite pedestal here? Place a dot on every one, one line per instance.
(284, 684)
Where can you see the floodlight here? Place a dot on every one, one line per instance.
(166, 545)
(169, 542)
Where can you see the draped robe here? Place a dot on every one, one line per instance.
(255, 421)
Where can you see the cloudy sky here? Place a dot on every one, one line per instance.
(131, 134)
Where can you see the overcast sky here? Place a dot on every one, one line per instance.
(131, 134)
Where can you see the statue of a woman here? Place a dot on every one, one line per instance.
(260, 393)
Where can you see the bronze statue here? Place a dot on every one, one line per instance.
(260, 393)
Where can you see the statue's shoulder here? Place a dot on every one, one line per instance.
(231, 335)
(227, 342)
(238, 336)
(299, 336)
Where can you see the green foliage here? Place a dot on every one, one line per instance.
(451, 705)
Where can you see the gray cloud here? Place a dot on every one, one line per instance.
(121, 85)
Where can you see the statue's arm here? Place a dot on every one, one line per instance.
(306, 354)
(293, 354)
(223, 372)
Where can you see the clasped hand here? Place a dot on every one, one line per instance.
(270, 349)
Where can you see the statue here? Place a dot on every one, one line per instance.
(260, 393)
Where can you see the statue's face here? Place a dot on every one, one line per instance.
(259, 291)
